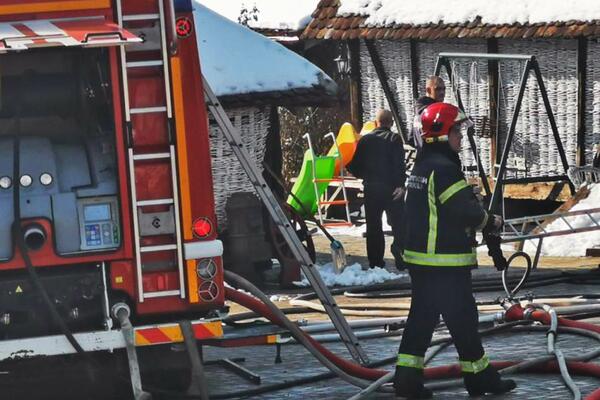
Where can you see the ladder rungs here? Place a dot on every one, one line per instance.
(141, 17)
(138, 64)
(154, 249)
(164, 293)
(156, 202)
(333, 203)
(319, 180)
(151, 156)
(147, 110)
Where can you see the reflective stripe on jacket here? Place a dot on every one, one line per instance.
(441, 212)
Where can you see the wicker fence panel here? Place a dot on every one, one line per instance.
(228, 175)
(534, 152)
(592, 97)
(395, 56)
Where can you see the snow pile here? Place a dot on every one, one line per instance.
(388, 12)
(573, 245)
(353, 275)
(269, 14)
(237, 60)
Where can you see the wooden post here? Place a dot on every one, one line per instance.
(356, 110)
(494, 123)
(581, 99)
(385, 85)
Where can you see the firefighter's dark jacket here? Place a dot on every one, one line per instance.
(379, 159)
(441, 212)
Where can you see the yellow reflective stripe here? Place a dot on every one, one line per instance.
(452, 190)
(408, 360)
(475, 367)
(440, 260)
(432, 237)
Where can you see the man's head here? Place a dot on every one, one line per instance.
(435, 88)
(384, 119)
(441, 122)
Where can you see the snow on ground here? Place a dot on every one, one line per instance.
(237, 60)
(271, 14)
(573, 245)
(386, 12)
(353, 275)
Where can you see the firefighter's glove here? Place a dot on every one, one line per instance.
(495, 251)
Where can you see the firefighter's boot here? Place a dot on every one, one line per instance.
(487, 381)
(408, 384)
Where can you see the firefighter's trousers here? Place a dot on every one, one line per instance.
(378, 198)
(447, 293)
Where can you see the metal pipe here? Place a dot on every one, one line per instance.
(487, 56)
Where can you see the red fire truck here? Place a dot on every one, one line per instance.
(106, 197)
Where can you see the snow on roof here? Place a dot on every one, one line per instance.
(496, 12)
(237, 60)
(271, 14)
(576, 244)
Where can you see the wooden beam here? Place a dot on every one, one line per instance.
(581, 77)
(383, 79)
(356, 109)
(493, 71)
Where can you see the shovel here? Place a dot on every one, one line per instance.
(338, 254)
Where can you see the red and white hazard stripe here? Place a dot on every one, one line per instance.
(88, 32)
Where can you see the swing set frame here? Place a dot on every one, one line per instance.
(531, 65)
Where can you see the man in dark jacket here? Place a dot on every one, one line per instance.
(435, 92)
(379, 162)
(442, 214)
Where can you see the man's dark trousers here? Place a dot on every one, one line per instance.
(378, 198)
(445, 292)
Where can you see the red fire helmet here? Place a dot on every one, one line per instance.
(438, 119)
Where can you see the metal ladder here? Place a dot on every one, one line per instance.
(167, 157)
(270, 201)
(327, 201)
(516, 229)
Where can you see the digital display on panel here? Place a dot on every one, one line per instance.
(96, 212)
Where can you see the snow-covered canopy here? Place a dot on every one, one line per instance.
(266, 14)
(237, 60)
(496, 12)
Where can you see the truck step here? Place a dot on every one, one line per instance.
(141, 17)
(164, 293)
(155, 249)
(155, 202)
(147, 110)
(140, 64)
(151, 156)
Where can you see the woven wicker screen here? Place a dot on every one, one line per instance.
(471, 79)
(592, 97)
(534, 152)
(228, 175)
(395, 56)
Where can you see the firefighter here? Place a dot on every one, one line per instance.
(379, 162)
(441, 216)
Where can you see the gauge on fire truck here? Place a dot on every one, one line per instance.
(99, 223)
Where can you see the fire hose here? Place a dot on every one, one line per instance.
(355, 374)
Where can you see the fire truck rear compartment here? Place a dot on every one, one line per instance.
(57, 105)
